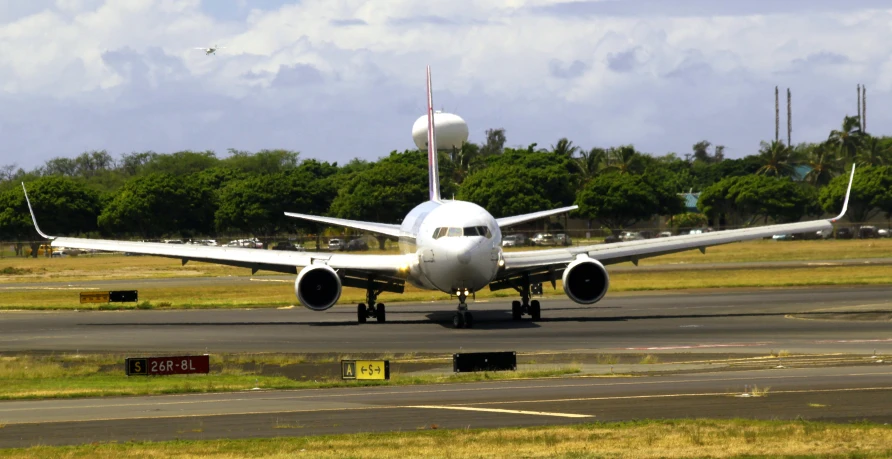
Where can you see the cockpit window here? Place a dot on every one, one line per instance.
(459, 232)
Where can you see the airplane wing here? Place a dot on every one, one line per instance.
(268, 260)
(556, 259)
(381, 228)
(508, 221)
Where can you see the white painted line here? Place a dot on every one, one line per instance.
(497, 410)
(693, 346)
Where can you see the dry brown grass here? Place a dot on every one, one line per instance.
(116, 266)
(649, 439)
(277, 294)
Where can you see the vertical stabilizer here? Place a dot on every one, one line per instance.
(433, 170)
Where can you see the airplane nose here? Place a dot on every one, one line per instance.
(466, 254)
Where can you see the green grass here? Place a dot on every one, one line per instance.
(640, 439)
(100, 375)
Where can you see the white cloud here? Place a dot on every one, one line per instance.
(342, 78)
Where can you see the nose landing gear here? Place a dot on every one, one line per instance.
(463, 317)
(377, 311)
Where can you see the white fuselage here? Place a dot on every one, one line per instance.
(458, 246)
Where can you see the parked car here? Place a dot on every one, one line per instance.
(867, 232)
(287, 245)
(357, 244)
(335, 244)
(885, 232)
(543, 239)
(562, 239)
(782, 237)
(665, 234)
(844, 233)
(631, 236)
(611, 239)
(514, 240)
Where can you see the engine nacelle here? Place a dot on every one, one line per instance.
(585, 280)
(317, 287)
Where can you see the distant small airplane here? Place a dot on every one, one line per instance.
(211, 50)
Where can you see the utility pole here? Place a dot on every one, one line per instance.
(860, 123)
(776, 115)
(863, 108)
(789, 119)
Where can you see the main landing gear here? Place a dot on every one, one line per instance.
(463, 317)
(377, 311)
(525, 306)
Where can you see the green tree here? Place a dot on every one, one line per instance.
(688, 221)
(848, 138)
(504, 191)
(158, 204)
(823, 164)
(261, 162)
(754, 196)
(180, 163)
(874, 152)
(870, 193)
(777, 159)
(590, 163)
(621, 200)
(495, 142)
(564, 147)
(624, 160)
(64, 206)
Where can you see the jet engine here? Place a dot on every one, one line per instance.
(585, 280)
(317, 287)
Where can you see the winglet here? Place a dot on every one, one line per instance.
(433, 168)
(845, 204)
(33, 218)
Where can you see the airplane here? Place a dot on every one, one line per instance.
(446, 245)
(211, 50)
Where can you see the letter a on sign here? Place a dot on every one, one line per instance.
(348, 369)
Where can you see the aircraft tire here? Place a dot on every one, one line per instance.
(381, 314)
(361, 312)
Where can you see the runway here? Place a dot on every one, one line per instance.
(835, 394)
(748, 320)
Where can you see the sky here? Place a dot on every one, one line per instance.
(340, 79)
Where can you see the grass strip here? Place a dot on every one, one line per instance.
(24, 377)
(640, 440)
(281, 294)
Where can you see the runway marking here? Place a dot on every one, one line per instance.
(216, 397)
(855, 341)
(497, 410)
(269, 280)
(694, 346)
(457, 407)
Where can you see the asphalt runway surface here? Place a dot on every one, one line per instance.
(832, 394)
(720, 321)
(745, 322)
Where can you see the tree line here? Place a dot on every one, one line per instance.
(190, 194)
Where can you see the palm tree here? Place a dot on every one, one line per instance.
(590, 163)
(623, 159)
(564, 147)
(873, 152)
(777, 159)
(824, 164)
(849, 138)
(466, 157)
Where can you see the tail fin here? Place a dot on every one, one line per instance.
(433, 170)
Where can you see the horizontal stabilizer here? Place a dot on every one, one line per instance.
(381, 228)
(508, 221)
